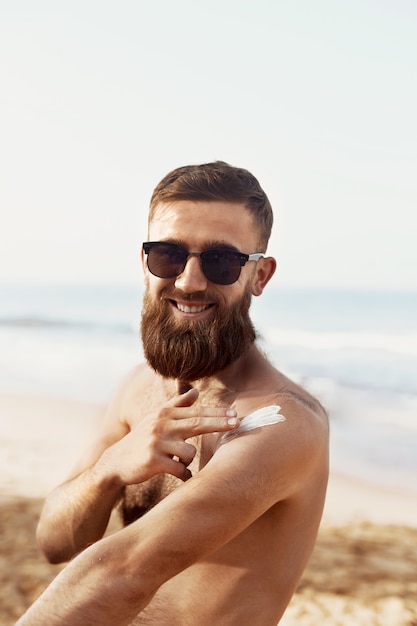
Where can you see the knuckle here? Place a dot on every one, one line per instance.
(156, 431)
(157, 428)
(164, 413)
(194, 422)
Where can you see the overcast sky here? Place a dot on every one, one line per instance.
(318, 98)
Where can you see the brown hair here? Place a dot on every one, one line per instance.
(216, 182)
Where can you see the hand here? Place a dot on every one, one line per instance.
(158, 444)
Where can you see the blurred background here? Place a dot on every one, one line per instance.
(99, 100)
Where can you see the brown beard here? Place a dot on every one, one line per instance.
(189, 351)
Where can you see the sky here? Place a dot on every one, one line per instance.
(318, 99)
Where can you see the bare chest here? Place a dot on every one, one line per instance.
(139, 499)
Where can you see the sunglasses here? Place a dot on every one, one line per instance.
(220, 265)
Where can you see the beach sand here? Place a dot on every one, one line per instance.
(363, 571)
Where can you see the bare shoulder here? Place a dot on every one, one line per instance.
(138, 382)
(139, 377)
(292, 449)
(307, 422)
(295, 403)
(140, 392)
(303, 411)
(116, 421)
(271, 387)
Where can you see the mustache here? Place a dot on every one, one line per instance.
(170, 293)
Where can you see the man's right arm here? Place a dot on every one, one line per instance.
(76, 513)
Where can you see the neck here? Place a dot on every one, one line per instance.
(237, 376)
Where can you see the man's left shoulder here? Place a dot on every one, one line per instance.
(301, 402)
(292, 399)
(281, 445)
(302, 426)
(307, 419)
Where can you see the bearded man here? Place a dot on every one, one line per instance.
(218, 461)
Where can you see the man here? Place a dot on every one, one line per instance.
(219, 462)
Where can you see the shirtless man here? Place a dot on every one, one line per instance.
(218, 461)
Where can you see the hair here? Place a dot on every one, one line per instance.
(217, 181)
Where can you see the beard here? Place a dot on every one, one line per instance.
(189, 351)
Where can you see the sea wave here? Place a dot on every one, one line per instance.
(380, 362)
(395, 343)
(43, 323)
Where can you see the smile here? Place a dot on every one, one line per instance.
(186, 308)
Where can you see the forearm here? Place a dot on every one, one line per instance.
(99, 586)
(76, 514)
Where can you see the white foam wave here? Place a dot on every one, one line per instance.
(398, 343)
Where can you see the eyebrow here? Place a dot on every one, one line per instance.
(213, 244)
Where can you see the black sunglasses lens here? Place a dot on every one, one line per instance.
(166, 260)
(221, 266)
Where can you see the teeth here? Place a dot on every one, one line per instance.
(192, 309)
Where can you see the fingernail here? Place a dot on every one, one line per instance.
(232, 421)
(231, 412)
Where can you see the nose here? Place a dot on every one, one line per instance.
(191, 278)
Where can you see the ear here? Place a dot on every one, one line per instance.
(265, 269)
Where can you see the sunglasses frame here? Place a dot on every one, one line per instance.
(241, 257)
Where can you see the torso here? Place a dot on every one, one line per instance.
(249, 579)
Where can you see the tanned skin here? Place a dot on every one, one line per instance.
(217, 533)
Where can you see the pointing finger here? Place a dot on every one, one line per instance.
(201, 425)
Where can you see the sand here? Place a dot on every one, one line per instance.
(363, 571)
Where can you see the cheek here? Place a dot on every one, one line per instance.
(231, 295)
(157, 286)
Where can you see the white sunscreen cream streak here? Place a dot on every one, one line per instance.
(262, 417)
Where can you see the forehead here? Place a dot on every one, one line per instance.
(196, 223)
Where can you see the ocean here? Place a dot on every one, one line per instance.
(355, 350)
